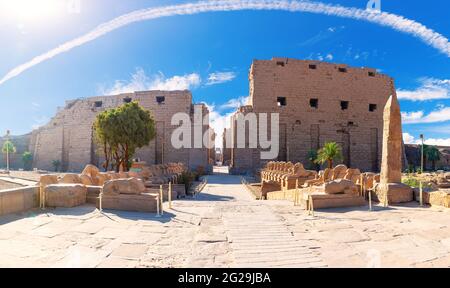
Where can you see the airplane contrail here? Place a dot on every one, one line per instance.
(394, 21)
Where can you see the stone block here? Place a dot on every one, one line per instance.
(326, 201)
(340, 186)
(92, 194)
(435, 198)
(12, 201)
(65, 195)
(70, 179)
(146, 202)
(397, 193)
(124, 186)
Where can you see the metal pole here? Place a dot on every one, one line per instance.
(421, 158)
(170, 195)
(157, 206)
(100, 199)
(161, 196)
(421, 193)
(7, 151)
(41, 196)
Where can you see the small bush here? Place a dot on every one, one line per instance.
(187, 178)
(415, 183)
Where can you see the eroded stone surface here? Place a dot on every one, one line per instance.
(225, 227)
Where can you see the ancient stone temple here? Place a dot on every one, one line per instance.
(68, 137)
(317, 102)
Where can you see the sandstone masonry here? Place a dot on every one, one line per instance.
(317, 102)
(68, 137)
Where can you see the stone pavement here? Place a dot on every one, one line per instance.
(224, 227)
(18, 181)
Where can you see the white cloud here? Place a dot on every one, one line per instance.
(329, 57)
(411, 117)
(220, 77)
(39, 122)
(218, 121)
(35, 106)
(430, 89)
(396, 22)
(440, 115)
(235, 103)
(141, 82)
(409, 139)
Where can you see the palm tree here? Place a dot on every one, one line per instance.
(27, 159)
(331, 151)
(8, 147)
(433, 154)
(312, 157)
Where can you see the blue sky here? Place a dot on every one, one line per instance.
(210, 54)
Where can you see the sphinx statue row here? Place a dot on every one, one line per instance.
(340, 179)
(134, 190)
(154, 174)
(286, 174)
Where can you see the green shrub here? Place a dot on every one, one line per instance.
(187, 178)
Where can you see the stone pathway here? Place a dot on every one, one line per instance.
(224, 227)
(18, 181)
(242, 232)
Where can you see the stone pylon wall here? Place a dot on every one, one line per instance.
(68, 136)
(15, 159)
(299, 84)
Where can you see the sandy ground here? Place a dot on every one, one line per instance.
(225, 227)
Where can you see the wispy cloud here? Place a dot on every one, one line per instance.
(320, 57)
(220, 77)
(141, 82)
(234, 103)
(396, 22)
(430, 89)
(35, 106)
(39, 122)
(440, 115)
(409, 139)
(321, 36)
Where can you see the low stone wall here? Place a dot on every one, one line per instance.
(435, 198)
(19, 200)
(283, 195)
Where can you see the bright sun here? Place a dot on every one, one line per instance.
(30, 10)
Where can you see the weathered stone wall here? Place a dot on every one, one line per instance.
(68, 136)
(15, 159)
(293, 87)
(226, 150)
(18, 200)
(413, 155)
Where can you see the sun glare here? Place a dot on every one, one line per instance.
(30, 10)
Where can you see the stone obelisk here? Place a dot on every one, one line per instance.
(390, 189)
